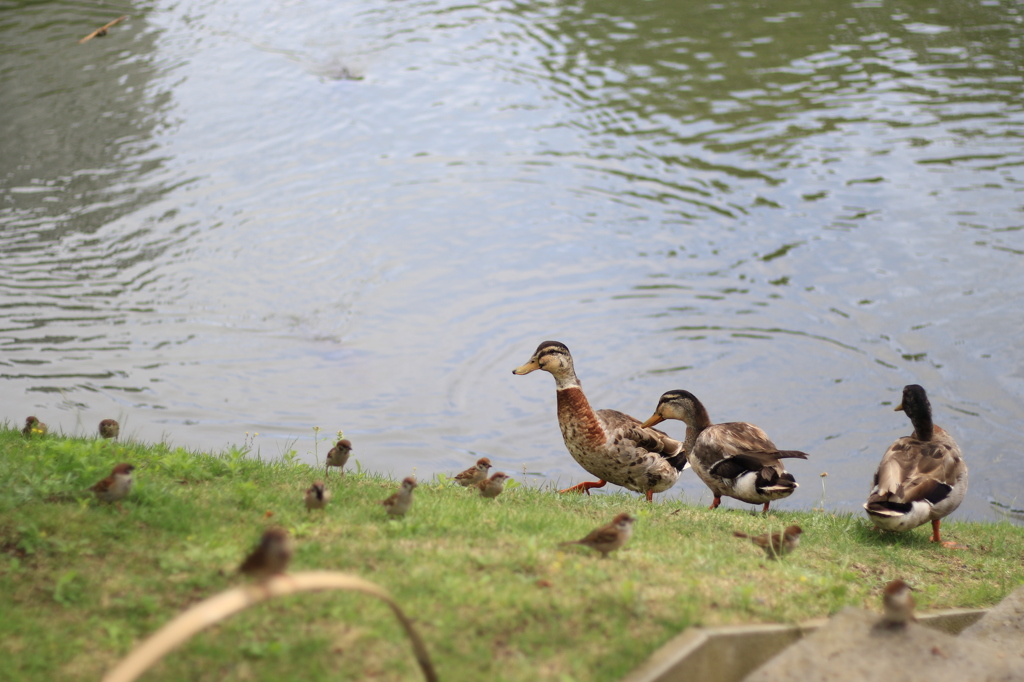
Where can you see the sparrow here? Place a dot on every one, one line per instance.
(474, 474)
(898, 603)
(608, 538)
(34, 427)
(109, 429)
(116, 485)
(270, 557)
(338, 455)
(399, 503)
(317, 497)
(492, 487)
(775, 545)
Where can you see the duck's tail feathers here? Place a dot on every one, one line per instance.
(679, 461)
(887, 508)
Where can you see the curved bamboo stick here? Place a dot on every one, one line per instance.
(230, 602)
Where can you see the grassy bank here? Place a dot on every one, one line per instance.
(490, 590)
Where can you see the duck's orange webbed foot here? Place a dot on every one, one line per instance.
(949, 544)
(714, 505)
(584, 487)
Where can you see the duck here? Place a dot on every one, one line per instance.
(735, 459)
(922, 477)
(609, 444)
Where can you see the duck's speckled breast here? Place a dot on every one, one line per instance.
(619, 461)
(581, 428)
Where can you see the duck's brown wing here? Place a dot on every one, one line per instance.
(621, 426)
(909, 463)
(766, 463)
(721, 441)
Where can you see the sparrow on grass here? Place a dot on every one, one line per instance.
(338, 455)
(399, 503)
(109, 428)
(270, 557)
(492, 487)
(608, 538)
(898, 603)
(34, 427)
(115, 486)
(474, 474)
(775, 544)
(317, 497)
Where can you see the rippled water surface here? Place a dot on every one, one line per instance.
(253, 216)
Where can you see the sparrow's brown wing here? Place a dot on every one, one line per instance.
(601, 536)
(103, 486)
(253, 562)
(390, 501)
(763, 540)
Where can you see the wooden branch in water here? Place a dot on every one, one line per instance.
(102, 30)
(227, 603)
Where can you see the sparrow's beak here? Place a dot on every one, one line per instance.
(899, 408)
(656, 419)
(527, 368)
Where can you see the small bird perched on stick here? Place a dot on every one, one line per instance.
(34, 427)
(399, 503)
(270, 557)
(493, 486)
(474, 474)
(775, 544)
(608, 538)
(338, 455)
(109, 428)
(317, 497)
(898, 603)
(117, 485)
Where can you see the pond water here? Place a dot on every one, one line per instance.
(239, 217)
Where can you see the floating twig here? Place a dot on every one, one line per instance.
(102, 30)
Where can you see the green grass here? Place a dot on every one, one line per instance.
(489, 589)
